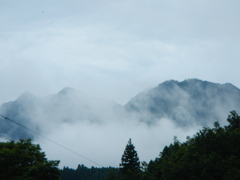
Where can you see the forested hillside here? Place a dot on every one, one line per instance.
(90, 125)
(67, 106)
(188, 102)
(212, 153)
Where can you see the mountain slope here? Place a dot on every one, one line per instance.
(188, 102)
(43, 114)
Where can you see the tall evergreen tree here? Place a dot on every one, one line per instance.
(130, 164)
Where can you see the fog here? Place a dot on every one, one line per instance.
(111, 50)
(105, 143)
(98, 129)
(95, 128)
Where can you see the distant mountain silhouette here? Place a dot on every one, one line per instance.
(188, 102)
(67, 106)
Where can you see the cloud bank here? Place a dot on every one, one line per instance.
(105, 143)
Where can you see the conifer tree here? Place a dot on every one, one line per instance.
(130, 164)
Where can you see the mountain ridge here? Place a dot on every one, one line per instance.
(185, 100)
(186, 103)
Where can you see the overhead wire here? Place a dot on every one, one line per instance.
(8, 119)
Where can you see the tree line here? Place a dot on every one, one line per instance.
(212, 153)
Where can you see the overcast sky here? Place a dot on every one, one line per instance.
(115, 49)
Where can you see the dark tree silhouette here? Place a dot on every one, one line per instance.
(130, 164)
(24, 160)
(234, 120)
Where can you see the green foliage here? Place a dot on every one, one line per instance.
(84, 173)
(210, 154)
(234, 120)
(130, 164)
(24, 160)
(112, 175)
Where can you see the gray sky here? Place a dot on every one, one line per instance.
(115, 49)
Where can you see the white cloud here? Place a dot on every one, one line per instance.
(104, 144)
(115, 49)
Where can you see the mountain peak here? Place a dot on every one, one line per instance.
(26, 95)
(71, 91)
(172, 82)
(191, 100)
(67, 90)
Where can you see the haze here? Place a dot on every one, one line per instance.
(114, 50)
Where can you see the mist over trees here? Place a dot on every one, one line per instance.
(212, 153)
(171, 106)
(188, 103)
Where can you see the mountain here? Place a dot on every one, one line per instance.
(189, 102)
(42, 114)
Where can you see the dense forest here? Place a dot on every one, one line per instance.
(212, 153)
(84, 173)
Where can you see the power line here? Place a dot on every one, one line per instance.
(6, 118)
